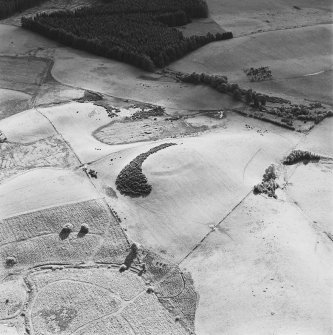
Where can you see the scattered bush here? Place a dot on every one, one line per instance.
(136, 32)
(146, 113)
(297, 156)
(131, 181)
(90, 96)
(259, 74)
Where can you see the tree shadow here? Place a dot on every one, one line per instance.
(130, 258)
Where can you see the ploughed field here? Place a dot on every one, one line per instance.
(158, 176)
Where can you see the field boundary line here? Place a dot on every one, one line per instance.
(213, 228)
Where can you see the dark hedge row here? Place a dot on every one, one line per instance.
(297, 156)
(142, 36)
(9, 7)
(287, 112)
(220, 83)
(131, 181)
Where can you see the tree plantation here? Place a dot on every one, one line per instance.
(135, 32)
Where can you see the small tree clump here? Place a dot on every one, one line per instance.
(134, 248)
(11, 261)
(84, 228)
(150, 289)
(67, 228)
(297, 156)
(122, 268)
(268, 185)
(270, 173)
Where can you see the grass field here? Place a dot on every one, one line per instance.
(37, 238)
(12, 298)
(76, 68)
(246, 17)
(26, 127)
(42, 188)
(49, 221)
(22, 73)
(154, 128)
(76, 122)
(290, 54)
(228, 163)
(256, 267)
(12, 102)
(50, 152)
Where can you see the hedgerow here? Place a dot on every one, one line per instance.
(131, 181)
(286, 111)
(297, 156)
(140, 33)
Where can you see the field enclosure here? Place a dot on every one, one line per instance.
(120, 303)
(37, 237)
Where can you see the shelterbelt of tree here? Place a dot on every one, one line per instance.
(141, 33)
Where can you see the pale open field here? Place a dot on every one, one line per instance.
(291, 55)
(76, 122)
(77, 68)
(12, 102)
(16, 41)
(244, 17)
(26, 127)
(41, 188)
(179, 211)
(264, 270)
